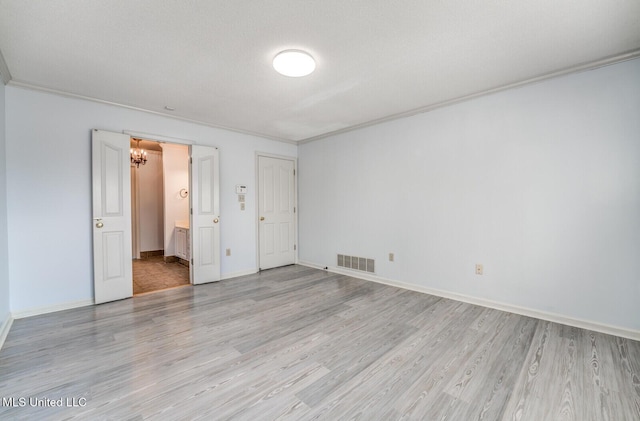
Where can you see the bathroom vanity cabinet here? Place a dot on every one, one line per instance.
(182, 241)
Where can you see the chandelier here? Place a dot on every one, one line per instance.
(138, 156)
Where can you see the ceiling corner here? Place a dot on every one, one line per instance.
(4, 70)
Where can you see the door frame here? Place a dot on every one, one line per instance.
(294, 159)
(135, 212)
(135, 204)
(165, 139)
(160, 139)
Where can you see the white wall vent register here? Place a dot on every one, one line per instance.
(357, 263)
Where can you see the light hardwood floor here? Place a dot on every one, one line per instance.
(302, 344)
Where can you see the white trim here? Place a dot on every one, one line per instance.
(27, 85)
(36, 311)
(312, 265)
(135, 212)
(238, 274)
(629, 55)
(277, 156)
(4, 330)
(618, 58)
(158, 138)
(524, 311)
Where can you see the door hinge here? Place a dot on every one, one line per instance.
(294, 172)
(192, 261)
(295, 247)
(294, 209)
(190, 160)
(191, 211)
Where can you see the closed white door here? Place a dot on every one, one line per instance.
(205, 217)
(112, 270)
(276, 209)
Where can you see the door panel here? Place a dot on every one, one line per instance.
(284, 237)
(283, 193)
(111, 216)
(113, 181)
(276, 207)
(113, 244)
(205, 220)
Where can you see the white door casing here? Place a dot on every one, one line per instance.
(205, 215)
(135, 213)
(276, 212)
(111, 175)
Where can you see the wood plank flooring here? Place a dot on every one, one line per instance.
(302, 344)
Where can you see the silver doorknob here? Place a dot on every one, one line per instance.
(215, 221)
(99, 224)
(262, 218)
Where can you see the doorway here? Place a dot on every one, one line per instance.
(112, 215)
(159, 216)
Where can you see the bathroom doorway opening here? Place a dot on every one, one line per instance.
(160, 216)
(112, 213)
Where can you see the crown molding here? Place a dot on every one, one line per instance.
(607, 61)
(26, 85)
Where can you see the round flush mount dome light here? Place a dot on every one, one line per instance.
(294, 63)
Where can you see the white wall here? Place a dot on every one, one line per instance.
(540, 184)
(4, 256)
(151, 204)
(175, 163)
(49, 191)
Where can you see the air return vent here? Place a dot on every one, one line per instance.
(357, 263)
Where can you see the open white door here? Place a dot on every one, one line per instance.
(205, 215)
(276, 207)
(112, 270)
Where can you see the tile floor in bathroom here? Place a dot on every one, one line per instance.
(153, 274)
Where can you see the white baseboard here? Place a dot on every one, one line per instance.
(50, 309)
(524, 311)
(312, 265)
(4, 329)
(83, 303)
(239, 273)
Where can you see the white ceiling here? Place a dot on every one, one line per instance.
(376, 60)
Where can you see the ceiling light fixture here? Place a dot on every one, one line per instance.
(294, 63)
(138, 156)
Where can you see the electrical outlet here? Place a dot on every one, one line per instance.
(242, 206)
(228, 252)
(391, 257)
(479, 269)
